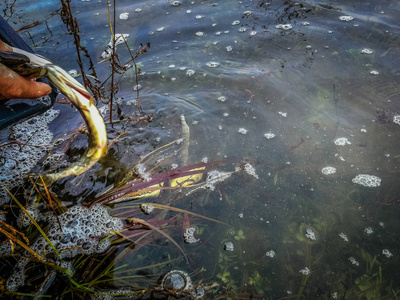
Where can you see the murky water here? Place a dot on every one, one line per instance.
(306, 91)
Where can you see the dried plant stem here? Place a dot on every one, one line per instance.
(73, 27)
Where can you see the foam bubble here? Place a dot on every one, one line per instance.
(36, 134)
(189, 237)
(124, 16)
(328, 170)
(242, 130)
(269, 135)
(306, 271)
(346, 18)
(284, 26)
(353, 261)
(213, 64)
(367, 180)
(270, 253)
(342, 141)
(343, 236)
(387, 253)
(229, 246)
(249, 169)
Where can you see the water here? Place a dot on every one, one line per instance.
(302, 225)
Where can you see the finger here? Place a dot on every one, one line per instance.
(33, 89)
(14, 86)
(5, 47)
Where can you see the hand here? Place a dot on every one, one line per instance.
(14, 86)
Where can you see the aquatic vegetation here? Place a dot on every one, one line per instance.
(261, 285)
(240, 235)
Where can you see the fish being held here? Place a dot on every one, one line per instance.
(34, 66)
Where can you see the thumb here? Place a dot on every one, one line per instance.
(33, 89)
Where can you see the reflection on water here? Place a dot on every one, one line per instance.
(308, 91)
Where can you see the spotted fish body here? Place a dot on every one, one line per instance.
(84, 102)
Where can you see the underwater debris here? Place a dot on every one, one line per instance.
(374, 72)
(328, 170)
(367, 180)
(175, 3)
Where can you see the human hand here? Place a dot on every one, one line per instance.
(14, 86)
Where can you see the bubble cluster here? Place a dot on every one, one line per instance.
(242, 130)
(328, 170)
(346, 18)
(119, 39)
(310, 234)
(124, 16)
(146, 208)
(353, 261)
(306, 271)
(213, 64)
(342, 141)
(269, 135)
(249, 169)
(229, 246)
(367, 180)
(343, 236)
(33, 132)
(387, 253)
(284, 26)
(396, 119)
(214, 177)
(80, 231)
(366, 51)
(189, 237)
(368, 230)
(180, 284)
(270, 253)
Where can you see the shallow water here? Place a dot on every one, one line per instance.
(236, 75)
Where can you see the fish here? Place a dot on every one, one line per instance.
(82, 100)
